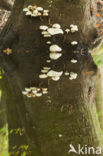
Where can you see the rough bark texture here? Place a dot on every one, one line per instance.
(7, 4)
(99, 95)
(69, 108)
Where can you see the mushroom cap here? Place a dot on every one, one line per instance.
(28, 89)
(55, 31)
(24, 92)
(28, 13)
(43, 76)
(34, 15)
(73, 75)
(74, 42)
(38, 94)
(34, 91)
(39, 8)
(45, 11)
(45, 92)
(66, 73)
(48, 42)
(54, 48)
(53, 73)
(74, 28)
(43, 27)
(39, 14)
(67, 30)
(48, 61)
(46, 68)
(35, 11)
(45, 33)
(56, 78)
(55, 56)
(56, 26)
(25, 9)
(45, 14)
(74, 61)
(30, 6)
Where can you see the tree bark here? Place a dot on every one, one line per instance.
(99, 95)
(69, 107)
(6, 4)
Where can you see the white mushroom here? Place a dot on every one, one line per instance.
(48, 42)
(74, 28)
(60, 135)
(28, 89)
(73, 76)
(48, 61)
(25, 9)
(74, 61)
(53, 73)
(43, 27)
(55, 48)
(45, 92)
(46, 11)
(30, 6)
(45, 14)
(34, 91)
(56, 78)
(55, 31)
(38, 94)
(35, 11)
(47, 35)
(33, 88)
(44, 71)
(74, 42)
(39, 14)
(28, 13)
(24, 92)
(55, 56)
(46, 68)
(34, 15)
(38, 89)
(56, 26)
(66, 73)
(43, 76)
(39, 8)
(67, 30)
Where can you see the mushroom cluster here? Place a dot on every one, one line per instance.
(50, 31)
(44, 72)
(54, 75)
(33, 92)
(35, 11)
(55, 52)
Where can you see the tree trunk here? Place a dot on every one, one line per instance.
(67, 114)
